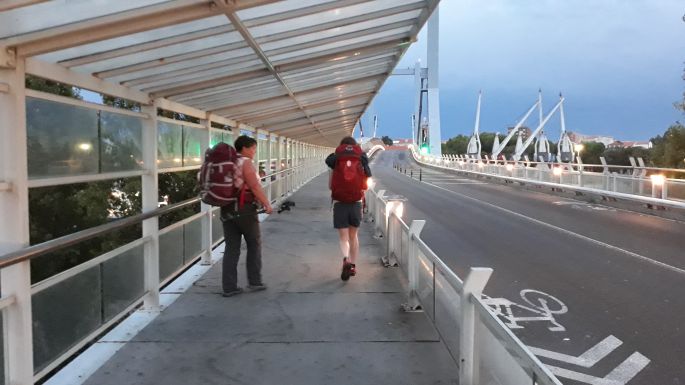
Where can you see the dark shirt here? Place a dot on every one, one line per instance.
(330, 162)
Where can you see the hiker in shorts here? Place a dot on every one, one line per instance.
(241, 220)
(348, 181)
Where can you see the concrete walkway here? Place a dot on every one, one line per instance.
(309, 327)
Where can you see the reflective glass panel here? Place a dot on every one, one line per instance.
(122, 281)
(64, 314)
(193, 146)
(62, 139)
(192, 239)
(217, 227)
(169, 150)
(447, 312)
(170, 252)
(121, 138)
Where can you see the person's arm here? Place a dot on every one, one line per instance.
(250, 176)
(365, 164)
(330, 161)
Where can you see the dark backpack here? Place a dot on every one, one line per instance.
(349, 179)
(218, 176)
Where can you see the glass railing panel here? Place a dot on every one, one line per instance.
(170, 252)
(121, 142)
(425, 285)
(447, 313)
(169, 147)
(217, 226)
(676, 189)
(497, 365)
(64, 314)
(2, 348)
(404, 255)
(192, 239)
(62, 139)
(192, 146)
(123, 281)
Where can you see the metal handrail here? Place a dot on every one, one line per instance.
(80, 236)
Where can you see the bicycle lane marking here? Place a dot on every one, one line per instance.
(568, 232)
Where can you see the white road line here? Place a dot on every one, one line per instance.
(619, 376)
(580, 236)
(587, 359)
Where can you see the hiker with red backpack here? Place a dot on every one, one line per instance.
(348, 181)
(228, 179)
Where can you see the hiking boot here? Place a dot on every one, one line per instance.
(233, 292)
(257, 287)
(345, 275)
(353, 269)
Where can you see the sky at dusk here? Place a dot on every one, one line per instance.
(618, 63)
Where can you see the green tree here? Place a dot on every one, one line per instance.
(387, 141)
(456, 145)
(669, 149)
(591, 152)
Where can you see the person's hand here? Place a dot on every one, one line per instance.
(268, 209)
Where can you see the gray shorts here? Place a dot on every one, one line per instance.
(347, 214)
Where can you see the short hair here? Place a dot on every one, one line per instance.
(244, 141)
(348, 140)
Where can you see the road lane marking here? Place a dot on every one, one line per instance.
(619, 376)
(587, 359)
(542, 308)
(569, 232)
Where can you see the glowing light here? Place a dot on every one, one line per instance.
(579, 147)
(399, 209)
(424, 150)
(557, 171)
(370, 183)
(84, 146)
(196, 159)
(509, 167)
(177, 160)
(480, 164)
(658, 179)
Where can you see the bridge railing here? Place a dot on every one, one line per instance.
(641, 184)
(72, 308)
(485, 350)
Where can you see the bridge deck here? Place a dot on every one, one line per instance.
(309, 327)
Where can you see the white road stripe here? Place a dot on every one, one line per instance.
(619, 376)
(587, 359)
(583, 237)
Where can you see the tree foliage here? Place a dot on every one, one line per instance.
(387, 140)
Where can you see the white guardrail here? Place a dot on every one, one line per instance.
(655, 191)
(486, 351)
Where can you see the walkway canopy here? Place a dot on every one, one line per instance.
(305, 69)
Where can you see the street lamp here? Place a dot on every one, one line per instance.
(579, 147)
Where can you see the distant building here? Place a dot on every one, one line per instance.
(526, 132)
(629, 144)
(580, 138)
(402, 142)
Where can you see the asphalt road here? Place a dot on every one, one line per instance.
(617, 278)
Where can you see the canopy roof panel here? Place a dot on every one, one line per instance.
(302, 68)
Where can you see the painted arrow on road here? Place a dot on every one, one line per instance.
(619, 376)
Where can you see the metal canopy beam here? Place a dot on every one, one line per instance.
(119, 24)
(6, 5)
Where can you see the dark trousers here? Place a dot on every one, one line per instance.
(246, 225)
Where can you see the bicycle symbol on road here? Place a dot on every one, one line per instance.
(541, 307)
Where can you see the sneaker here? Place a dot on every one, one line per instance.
(233, 292)
(353, 269)
(345, 275)
(257, 287)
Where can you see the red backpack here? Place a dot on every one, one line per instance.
(349, 179)
(219, 178)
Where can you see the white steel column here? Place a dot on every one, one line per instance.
(468, 353)
(14, 223)
(150, 201)
(205, 208)
(435, 137)
(267, 166)
(416, 122)
(279, 167)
